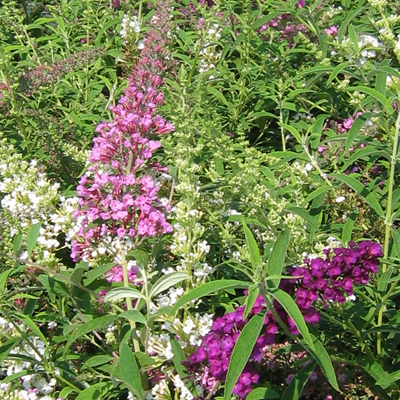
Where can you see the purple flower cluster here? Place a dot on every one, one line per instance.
(332, 278)
(328, 279)
(119, 193)
(209, 364)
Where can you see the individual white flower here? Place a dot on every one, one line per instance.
(340, 199)
(52, 325)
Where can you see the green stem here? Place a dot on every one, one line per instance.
(356, 333)
(129, 306)
(388, 222)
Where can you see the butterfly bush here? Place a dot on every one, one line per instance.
(329, 279)
(28, 198)
(119, 193)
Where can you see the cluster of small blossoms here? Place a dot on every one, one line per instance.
(33, 386)
(119, 190)
(333, 278)
(129, 25)
(31, 82)
(29, 198)
(187, 243)
(209, 55)
(330, 279)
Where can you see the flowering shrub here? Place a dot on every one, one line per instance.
(199, 200)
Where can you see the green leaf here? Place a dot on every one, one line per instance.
(296, 386)
(344, 24)
(242, 351)
(365, 152)
(96, 272)
(7, 347)
(293, 131)
(179, 356)
(261, 393)
(217, 94)
(207, 288)
(263, 20)
(3, 279)
(337, 71)
(123, 293)
(389, 380)
(251, 298)
(396, 241)
(357, 125)
(252, 246)
(98, 360)
(286, 301)
(91, 326)
(322, 357)
(141, 257)
(130, 371)
(95, 392)
(17, 244)
(133, 315)
(276, 259)
(31, 324)
(362, 191)
(348, 228)
(373, 369)
(167, 281)
(66, 392)
(378, 97)
(32, 236)
(315, 194)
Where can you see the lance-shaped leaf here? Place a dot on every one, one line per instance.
(252, 246)
(277, 258)
(321, 356)
(123, 293)
(242, 351)
(32, 236)
(362, 191)
(89, 327)
(296, 386)
(286, 301)
(207, 288)
(130, 371)
(167, 281)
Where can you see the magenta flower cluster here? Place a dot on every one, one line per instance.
(119, 193)
(327, 279)
(332, 278)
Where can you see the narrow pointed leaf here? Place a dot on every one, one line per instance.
(302, 213)
(207, 288)
(276, 259)
(286, 301)
(357, 125)
(123, 293)
(32, 236)
(91, 326)
(321, 356)
(242, 351)
(362, 191)
(133, 315)
(254, 291)
(296, 386)
(129, 370)
(263, 393)
(252, 246)
(167, 281)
